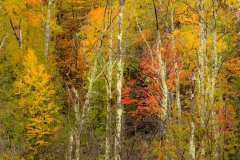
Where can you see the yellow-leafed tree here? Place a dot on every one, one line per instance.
(36, 103)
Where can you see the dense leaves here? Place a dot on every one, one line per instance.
(60, 76)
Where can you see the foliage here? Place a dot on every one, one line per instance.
(35, 91)
(36, 102)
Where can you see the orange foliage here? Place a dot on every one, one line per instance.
(96, 15)
(145, 92)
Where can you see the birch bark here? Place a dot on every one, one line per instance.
(3, 41)
(47, 27)
(192, 148)
(119, 114)
(215, 69)
(178, 101)
(77, 122)
(162, 70)
(201, 66)
(70, 147)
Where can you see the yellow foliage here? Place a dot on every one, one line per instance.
(33, 2)
(56, 28)
(36, 95)
(176, 32)
(231, 3)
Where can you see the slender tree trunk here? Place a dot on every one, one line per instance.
(238, 20)
(70, 147)
(119, 116)
(109, 95)
(162, 72)
(47, 27)
(215, 69)
(109, 108)
(178, 101)
(81, 118)
(77, 122)
(214, 54)
(3, 41)
(18, 33)
(20, 36)
(192, 148)
(201, 79)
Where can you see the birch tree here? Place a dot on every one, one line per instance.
(192, 148)
(81, 117)
(161, 72)
(119, 114)
(108, 80)
(178, 101)
(215, 69)
(120, 64)
(46, 23)
(201, 66)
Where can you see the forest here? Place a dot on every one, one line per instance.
(119, 79)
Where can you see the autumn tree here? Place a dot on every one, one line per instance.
(35, 92)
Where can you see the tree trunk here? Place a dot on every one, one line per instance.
(238, 20)
(178, 101)
(201, 78)
(162, 73)
(192, 148)
(109, 95)
(70, 147)
(215, 69)
(77, 122)
(3, 41)
(47, 27)
(119, 114)
(80, 121)
(17, 33)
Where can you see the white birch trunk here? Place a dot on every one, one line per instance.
(119, 116)
(215, 69)
(162, 75)
(81, 118)
(162, 70)
(70, 147)
(109, 97)
(201, 65)
(178, 101)
(192, 148)
(20, 36)
(47, 27)
(3, 41)
(77, 122)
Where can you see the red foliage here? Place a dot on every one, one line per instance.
(45, 1)
(144, 92)
(225, 118)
